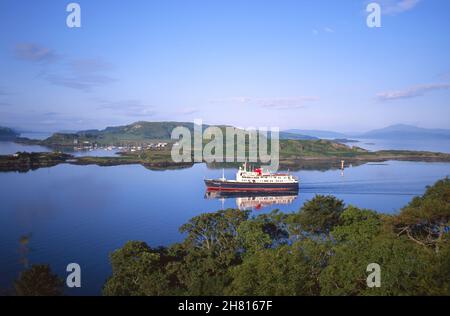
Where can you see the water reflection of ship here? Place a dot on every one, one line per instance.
(248, 200)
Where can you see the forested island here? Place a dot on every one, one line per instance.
(150, 144)
(322, 249)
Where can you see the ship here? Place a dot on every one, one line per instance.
(254, 180)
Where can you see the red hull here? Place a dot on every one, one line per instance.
(221, 185)
(247, 189)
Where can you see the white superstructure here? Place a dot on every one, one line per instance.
(259, 176)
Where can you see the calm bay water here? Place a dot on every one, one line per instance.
(10, 148)
(442, 145)
(83, 213)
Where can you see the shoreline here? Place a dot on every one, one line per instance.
(24, 162)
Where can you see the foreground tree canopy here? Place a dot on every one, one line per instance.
(38, 280)
(324, 249)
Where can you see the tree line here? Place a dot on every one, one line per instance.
(323, 249)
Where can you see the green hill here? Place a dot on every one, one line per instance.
(297, 149)
(135, 132)
(138, 132)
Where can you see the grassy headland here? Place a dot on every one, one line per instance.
(305, 154)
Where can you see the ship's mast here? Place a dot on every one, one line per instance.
(223, 174)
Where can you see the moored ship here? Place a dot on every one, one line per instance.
(255, 180)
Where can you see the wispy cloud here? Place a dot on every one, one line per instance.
(46, 120)
(269, 103)
(326, 29)
(393, 7)
(3, 94)
(84, 83)
(35, 53)
(412, 92)
(131, 108)
(80, 74)
(83, 74)
(51, 114)
(188, 111)
(285, 103)
(443, 75)
(90, 65)
(52, 118)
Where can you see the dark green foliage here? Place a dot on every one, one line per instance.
(210, 248)
(137, 270)
(360, 240)
(319, 215)
(324, 249)
(214, 234)
(279, 271)
(38, 281)
(284, 270)
(426, 219)
(263, 231)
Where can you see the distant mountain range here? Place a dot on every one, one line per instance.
(162, 131)
(297, 136)
(393, 132)
(315, 133)
(400, 131)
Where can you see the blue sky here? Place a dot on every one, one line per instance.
(290, 64)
